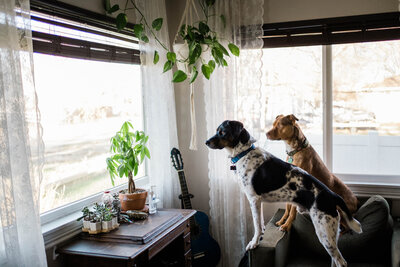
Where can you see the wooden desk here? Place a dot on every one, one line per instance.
(171, 248)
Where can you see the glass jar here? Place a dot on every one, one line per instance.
(107, 199)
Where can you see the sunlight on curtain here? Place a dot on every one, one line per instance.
(21, 149)
(230, 213)
(159, 110)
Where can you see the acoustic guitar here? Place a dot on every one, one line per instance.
(205, 250)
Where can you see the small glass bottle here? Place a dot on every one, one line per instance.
(152, 200)
(107, 199)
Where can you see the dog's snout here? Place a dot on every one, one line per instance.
(207, 142)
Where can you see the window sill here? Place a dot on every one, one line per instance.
(387, 186)
(391, 191)
(61, 224)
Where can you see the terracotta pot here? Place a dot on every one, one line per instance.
(135, 201)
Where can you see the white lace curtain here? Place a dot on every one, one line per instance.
(230, 213)
(21, 150)
(159, 109)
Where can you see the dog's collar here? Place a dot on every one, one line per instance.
(303, 145)
(242, 154)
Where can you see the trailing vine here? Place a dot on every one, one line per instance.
(198, 38)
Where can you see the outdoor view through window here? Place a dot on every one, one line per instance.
(366, 92)
(82, 103)
(366, 121)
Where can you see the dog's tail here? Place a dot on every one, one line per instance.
(352, 223)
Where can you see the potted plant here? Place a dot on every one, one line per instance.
(95, 225)
(106, 223)
(86, 216)
(128, 152)
(198, 38)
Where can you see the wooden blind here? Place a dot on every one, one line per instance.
(76, 19)
(351, 29)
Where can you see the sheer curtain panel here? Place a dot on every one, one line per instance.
(159, 109)
(230, 212)
(21, 150)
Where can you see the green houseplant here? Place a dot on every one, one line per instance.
(128, 150)
(198, 38)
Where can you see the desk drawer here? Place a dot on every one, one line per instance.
(187, 227)
(188, 259)
(187, 242)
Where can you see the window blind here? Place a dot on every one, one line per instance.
(340, 30)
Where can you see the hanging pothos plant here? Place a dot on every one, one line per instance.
(198, 38)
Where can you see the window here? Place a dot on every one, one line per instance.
(88, 83)
(293, 85)
(349, 114)
(366, 124)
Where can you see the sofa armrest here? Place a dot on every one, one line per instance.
(273, 248)
(396, 244)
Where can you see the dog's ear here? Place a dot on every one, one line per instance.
(280, 115)
(236, 127)
(293, 117)
(244, 136)
(290, 119)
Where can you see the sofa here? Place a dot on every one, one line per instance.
(377, 246)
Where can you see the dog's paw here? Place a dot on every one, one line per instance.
(285, 227)
(254, 242)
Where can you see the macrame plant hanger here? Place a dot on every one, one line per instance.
(188, 18)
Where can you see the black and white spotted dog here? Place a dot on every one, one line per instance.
(263, 177)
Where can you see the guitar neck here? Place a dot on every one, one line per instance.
(185, 192)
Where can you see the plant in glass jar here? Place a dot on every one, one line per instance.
(129, 150)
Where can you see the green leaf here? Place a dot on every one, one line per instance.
(194, 52)
(122, 20)
(147, 152)
(208, 41)
(157, 24)
(179, 76)
(206, 70)
(222, 48)
(223, 20)
(194, 74)
(144, 38)
(224, 63)
(203, 28)
(218, 56)
(107, 4)
(182, 31)
(234, 49)
(114, 8)
(156, 57)
(121, 170)
(171, 56)
(210, 2)
(168, 65)
(211, 63)
(138, 30)
(135, 169)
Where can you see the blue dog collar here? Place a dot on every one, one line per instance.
(242, 154)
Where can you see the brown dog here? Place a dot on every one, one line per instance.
(303, 155)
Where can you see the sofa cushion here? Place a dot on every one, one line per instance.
(372, 245)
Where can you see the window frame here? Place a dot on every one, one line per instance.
(340, 30)
(60, 223)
